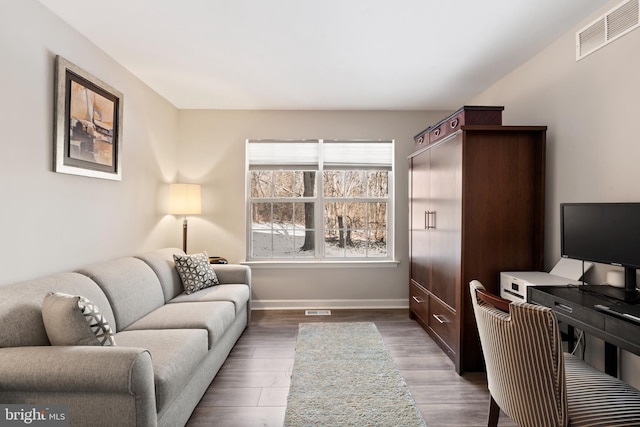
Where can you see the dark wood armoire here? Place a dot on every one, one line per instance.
(476, 207)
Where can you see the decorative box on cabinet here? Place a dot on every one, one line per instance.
(467, 115)
(476, 209)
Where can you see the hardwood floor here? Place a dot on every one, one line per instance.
(252, 386)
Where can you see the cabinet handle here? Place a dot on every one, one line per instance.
(426, 220)
(440, 318)
(563, 307)
(429, 223)
(418, 300)
(436, 132)
(421, 140)
(453, 123)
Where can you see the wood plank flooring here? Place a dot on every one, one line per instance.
(252, 386)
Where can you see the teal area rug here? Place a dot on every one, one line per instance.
(343, 375)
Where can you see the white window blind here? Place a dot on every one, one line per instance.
(358, 154)
(330, 153)
(282, 153)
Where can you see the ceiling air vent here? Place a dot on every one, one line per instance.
(607, 28)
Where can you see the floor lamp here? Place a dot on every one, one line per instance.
(184, 199)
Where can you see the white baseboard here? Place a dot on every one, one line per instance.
(329, 304)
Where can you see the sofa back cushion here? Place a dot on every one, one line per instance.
(132, 287)
(162, 263)
(21, 306)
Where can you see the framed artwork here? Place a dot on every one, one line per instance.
(88, 124)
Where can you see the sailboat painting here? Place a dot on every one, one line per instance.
(91, 125)
(88, 124)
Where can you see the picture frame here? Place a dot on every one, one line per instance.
(88, 124)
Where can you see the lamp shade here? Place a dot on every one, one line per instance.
(184, 199)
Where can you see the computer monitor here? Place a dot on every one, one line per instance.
(607, 233)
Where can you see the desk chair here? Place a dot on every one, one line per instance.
(533, 381)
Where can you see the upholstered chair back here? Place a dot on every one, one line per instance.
(524, 361)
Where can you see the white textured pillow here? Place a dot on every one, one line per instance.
(195, 272)
(74, 320)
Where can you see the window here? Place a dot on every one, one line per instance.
(319, 200)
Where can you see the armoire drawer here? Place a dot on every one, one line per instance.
(419, 302)
(442, 322)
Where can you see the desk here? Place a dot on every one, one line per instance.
(576, 308)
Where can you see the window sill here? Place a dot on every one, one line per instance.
(322, 264)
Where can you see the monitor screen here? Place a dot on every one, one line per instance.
(607, 233)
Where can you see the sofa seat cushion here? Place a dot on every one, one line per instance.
(237, 294)
(597, 399)
(213, 316)
(175, 356)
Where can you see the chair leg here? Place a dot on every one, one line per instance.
(494, 413)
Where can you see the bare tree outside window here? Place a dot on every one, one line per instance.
(355, 226)
(309, 181)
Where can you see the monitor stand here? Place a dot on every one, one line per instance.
(628, 296)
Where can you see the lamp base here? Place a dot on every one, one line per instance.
(184, 235)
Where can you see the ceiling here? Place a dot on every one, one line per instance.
(321, 54)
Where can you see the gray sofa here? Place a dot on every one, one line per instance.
(169, 345)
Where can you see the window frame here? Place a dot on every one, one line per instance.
(319, 256)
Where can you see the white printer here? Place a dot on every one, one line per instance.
(513, 284)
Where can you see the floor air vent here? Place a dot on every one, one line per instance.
(607, 28)
(317, 312)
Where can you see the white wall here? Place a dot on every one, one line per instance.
(212, 150)
(593, 149)
(54, 222)
(591, 109)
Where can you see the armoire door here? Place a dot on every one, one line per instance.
(419, 200)
(445, 206)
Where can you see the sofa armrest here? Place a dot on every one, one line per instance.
(233, 273)
(107, 380)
